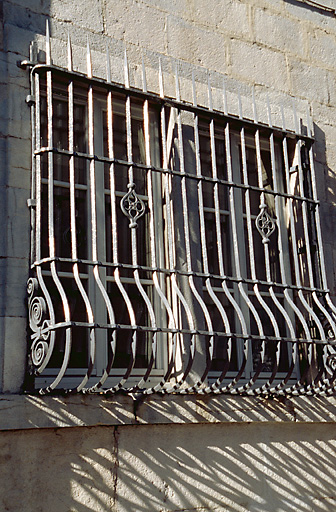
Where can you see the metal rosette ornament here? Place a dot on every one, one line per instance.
(265, 224)
(39, 325)
(132, 206)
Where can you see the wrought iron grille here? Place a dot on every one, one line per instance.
(175, 248)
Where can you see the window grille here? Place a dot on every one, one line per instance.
(175, 248)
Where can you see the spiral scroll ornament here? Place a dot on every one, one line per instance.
(37, 310)
(265, 224)
(132, 206)
(330, 362)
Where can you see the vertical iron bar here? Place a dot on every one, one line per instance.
(33, 174)
(296, 389)
(266, 250)
(291, 328)
(208, 285)
(318, 220)
(187, 244)
(152, 234)
(320, 241)
(133, 229)
(114, 233)
(38, 224)
(176, 292)
(72, 182)
(94, 241)
(219, 244)
(320, 386)
(237, 256)
(307, 237)
(51, 230)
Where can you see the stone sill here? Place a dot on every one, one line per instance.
(19, 412)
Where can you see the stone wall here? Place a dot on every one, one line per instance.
(285, 49)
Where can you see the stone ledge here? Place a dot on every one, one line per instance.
(20, 412)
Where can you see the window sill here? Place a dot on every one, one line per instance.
(20, 412)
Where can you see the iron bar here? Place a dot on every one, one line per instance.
(195, 177)
(51, 231)
(166, 101)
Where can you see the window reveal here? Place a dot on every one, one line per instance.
(173, 245)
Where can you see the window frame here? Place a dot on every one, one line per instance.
(232, 125)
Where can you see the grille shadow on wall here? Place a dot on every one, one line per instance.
(174, 248)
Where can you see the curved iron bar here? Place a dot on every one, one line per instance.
(265, 234)
(51, 231)
(132, 225)
(42, 361)
(152, 237)
(73, 232)
(320, 386)
(178, 298)
(208, 284)
(229, 386)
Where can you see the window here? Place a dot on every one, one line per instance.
(175, 248)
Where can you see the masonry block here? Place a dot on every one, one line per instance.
(18, 41)
(14, 352)
(13, 279)
(314, 17)
(18, 112)
(35, 6)
(230, 17)
(19, 153)
(309, 82)
(196, 45)
(325, 114)
(182, 8)
(323, 49)
(21, 17)
(18, 223)
(279, 32)
(88, 15)
(258, 65)
(137, 24)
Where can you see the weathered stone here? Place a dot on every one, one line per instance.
(279, 32)
(197, 45)
(258, 65)
(129, 22)
(309, 81)
(323, 49)
(227, 16)
(13, 353)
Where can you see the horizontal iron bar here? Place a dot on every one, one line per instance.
(195, 177)
(202, 275)
(200, 332)
(171, 102)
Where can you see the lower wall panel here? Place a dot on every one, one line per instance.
(219, 467)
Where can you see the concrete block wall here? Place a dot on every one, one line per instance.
(282, 48)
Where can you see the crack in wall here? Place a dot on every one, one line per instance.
(115, 469)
